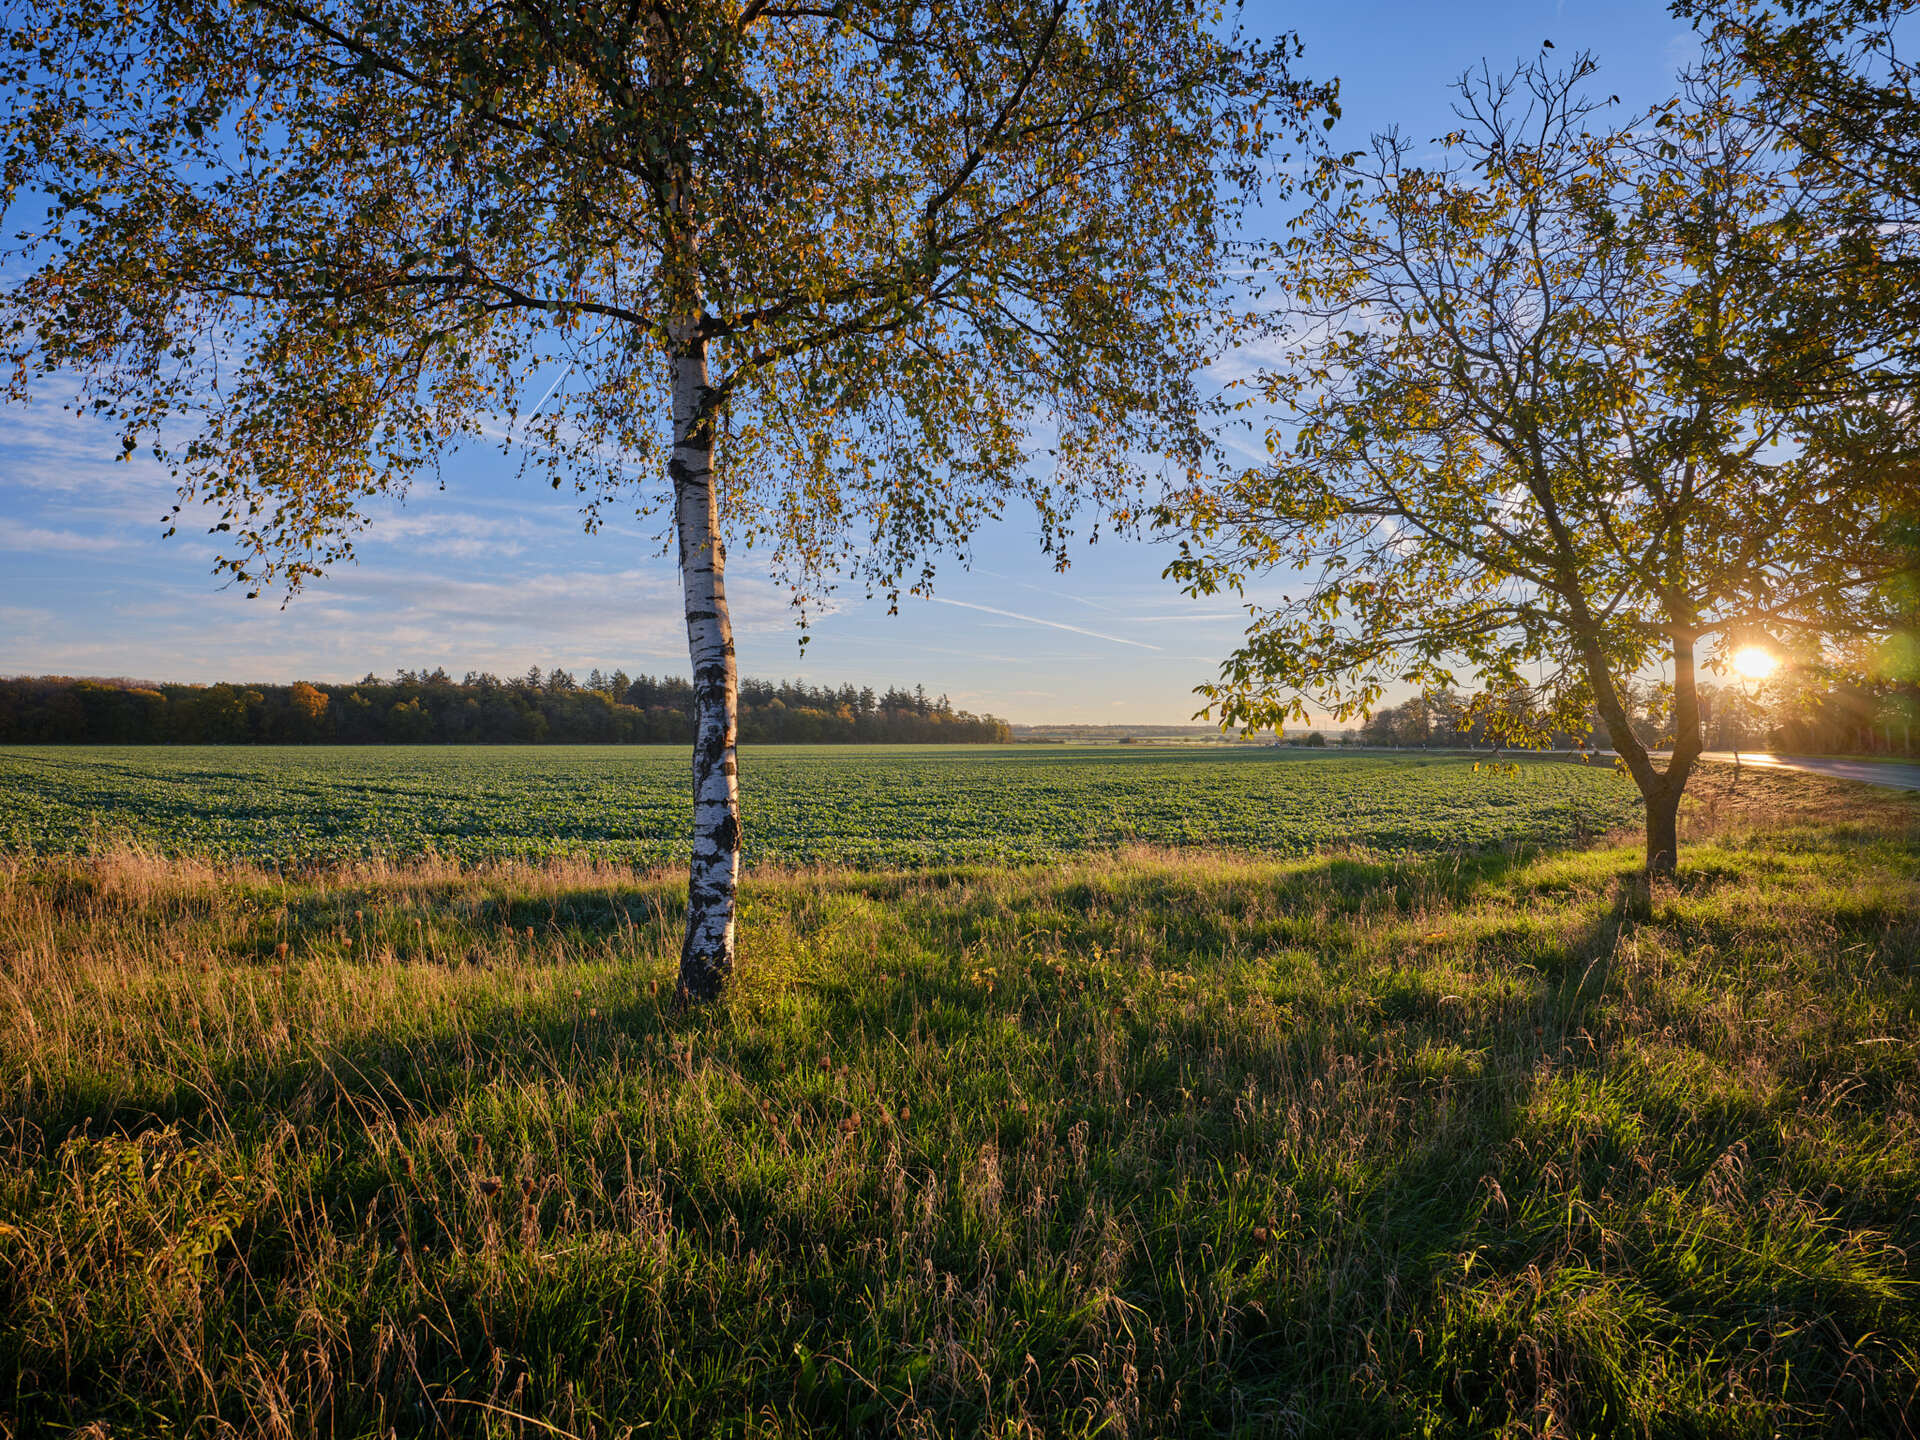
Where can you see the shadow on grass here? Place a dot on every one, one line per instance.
(1135, 1148)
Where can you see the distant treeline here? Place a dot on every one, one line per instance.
(1812, 710)
(431, 708)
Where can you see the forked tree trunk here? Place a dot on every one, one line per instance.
(706, 955)
(1660, 789)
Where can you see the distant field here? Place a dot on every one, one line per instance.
(834, 805)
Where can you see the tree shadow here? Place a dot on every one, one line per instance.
(1341, 1185)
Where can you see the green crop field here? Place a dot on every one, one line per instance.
(836, 805)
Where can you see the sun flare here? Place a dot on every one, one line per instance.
(1754, 662)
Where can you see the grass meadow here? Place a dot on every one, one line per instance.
(1148, 1142)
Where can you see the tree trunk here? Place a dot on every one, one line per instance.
(1663, 830)
(706, 956)
(1660, 789)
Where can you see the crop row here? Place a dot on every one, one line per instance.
(837, 805)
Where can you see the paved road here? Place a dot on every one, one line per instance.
(1894, 774)
(1897, 775)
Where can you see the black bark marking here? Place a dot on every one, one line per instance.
(703, 973)
(712, 748)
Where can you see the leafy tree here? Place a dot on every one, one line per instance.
(1833, 86)
(1520, 435)
(1829, 84)
(855, 275)
(409, 722)
(308, 706)
(224, 715)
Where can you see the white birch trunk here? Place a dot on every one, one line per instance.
(706, 956)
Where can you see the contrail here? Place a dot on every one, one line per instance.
(550, 389)
(1050, 624)
(1195, 615)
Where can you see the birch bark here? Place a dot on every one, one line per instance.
(706, 955)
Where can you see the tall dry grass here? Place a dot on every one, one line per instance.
(1148, 1144)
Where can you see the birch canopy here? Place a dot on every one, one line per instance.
(1520, 438)
(841, 279)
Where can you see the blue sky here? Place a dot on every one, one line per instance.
(495, 573)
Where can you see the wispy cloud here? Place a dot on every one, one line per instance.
(454, 535)
(38, 541)
(1050, 624)
(376, 618)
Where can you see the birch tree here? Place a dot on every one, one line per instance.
(1520, 439)
(842, 280)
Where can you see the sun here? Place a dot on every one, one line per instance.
(1754, 662)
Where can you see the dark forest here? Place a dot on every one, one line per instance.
(431, 708)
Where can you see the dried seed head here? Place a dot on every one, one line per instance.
(488, 1184)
